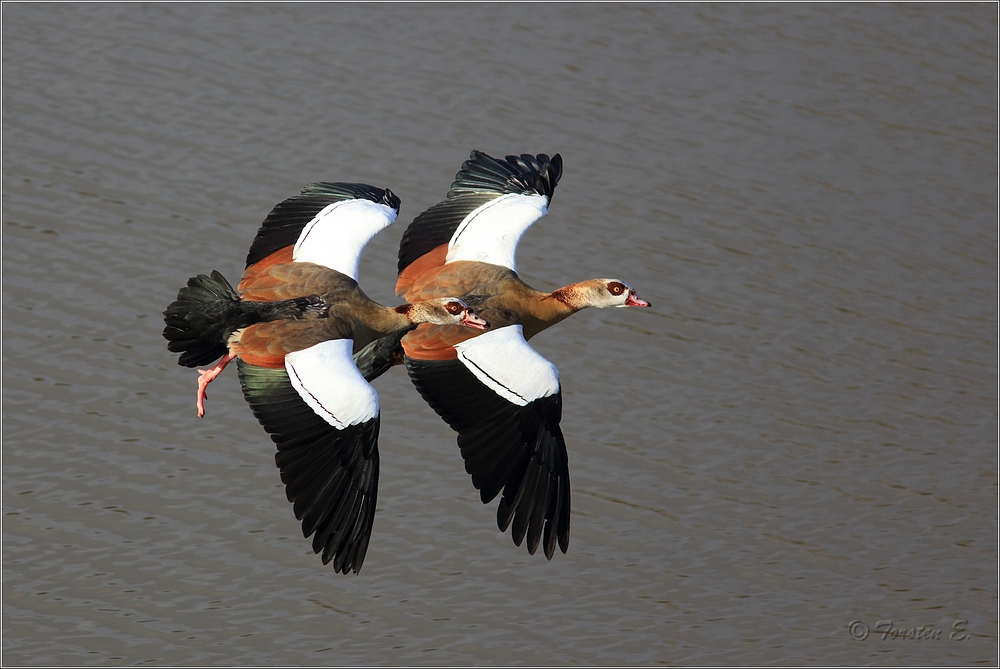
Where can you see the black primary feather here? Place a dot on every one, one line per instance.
(524, 174)
(517, 449)
(330, 474)
(379, 356)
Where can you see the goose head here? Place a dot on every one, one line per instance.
(443, 311)
(600, 293)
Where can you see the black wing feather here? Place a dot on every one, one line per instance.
(519, 449)
(330, 474)
(379, 356)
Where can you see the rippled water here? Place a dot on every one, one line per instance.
(800, 434)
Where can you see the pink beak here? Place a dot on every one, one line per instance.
(634, 300)
(473, 321)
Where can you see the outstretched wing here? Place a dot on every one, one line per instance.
(490, 205)
(324, 418)
(327, 223)
(504, 400)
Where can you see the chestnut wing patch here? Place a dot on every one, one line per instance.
(273, 340)
(435, 342)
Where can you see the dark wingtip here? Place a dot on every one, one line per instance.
(522, 173)
(391, 199)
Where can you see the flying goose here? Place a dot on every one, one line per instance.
(501, 396)
(292, 327)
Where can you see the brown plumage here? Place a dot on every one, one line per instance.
(351, 313)
(499, 296)
(347, 314)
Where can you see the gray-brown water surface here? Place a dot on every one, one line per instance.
(801, 434)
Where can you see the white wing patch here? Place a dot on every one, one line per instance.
(337, 235)
(490, 232)
(505, 363)
(327, 379)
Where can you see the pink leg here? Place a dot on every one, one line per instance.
(206, 376)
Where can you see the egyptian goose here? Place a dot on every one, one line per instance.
(495, 390)
(291, 327)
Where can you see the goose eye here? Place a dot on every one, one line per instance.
(616, 288)
(454, 308)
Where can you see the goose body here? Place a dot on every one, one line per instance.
(292, 327)
(501, 396)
